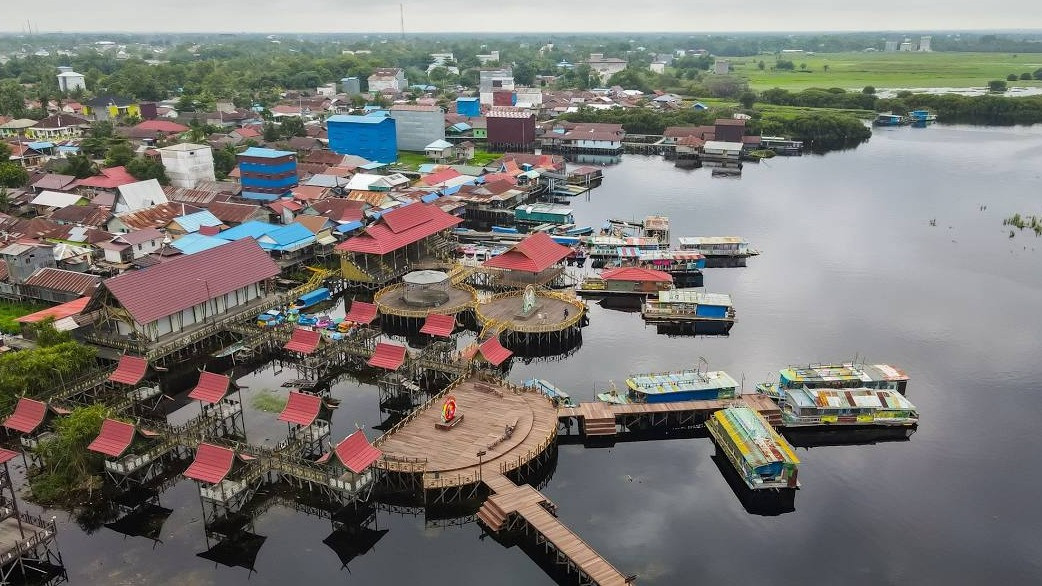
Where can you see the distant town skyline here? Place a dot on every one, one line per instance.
(551, 16)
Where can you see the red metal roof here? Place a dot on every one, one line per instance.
(186, 281)
(212, 463)
(440, 176)
(161, 126)
(303, 341)
(63, 280)
(130, 370)
(212, 387)
(400, 227)
(534, 254)
(7, 455)
(494, 352)
(437, 324)
(110, 178)
(28, 415)
(356, 453)
(57, 312)
(361, 313)
(114, 439)
(639, 274)
(389, 356)
(301, 408)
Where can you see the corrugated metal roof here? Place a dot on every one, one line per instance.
(28, 415)
(388, 356)
(536, 253)
(414, 223)
(252, 229)
(301, 408)
(114, 439)
(185, 281)
(263, 153)
(356, 453)
(197, 242)
(493, 351)
(234, 213)
(287, 238)
(361, 313)
(303, 341)
(62, 280)
(709, 240)
(211, 388)
(694, 296)
(57, 312)
(192, 222)
(7, 455)
(55, 199)
(755, 439)
(212, 464)
(640, 274)
(439, 325)
(130, 370)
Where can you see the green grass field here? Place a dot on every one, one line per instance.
(412, 160)
(11, 310)
(889, 70)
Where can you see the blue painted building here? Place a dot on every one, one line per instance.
(468, 106)
(372, 136)
(267, 174)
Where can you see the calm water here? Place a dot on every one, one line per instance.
(850, 267)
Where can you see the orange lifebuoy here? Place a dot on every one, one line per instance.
(448, 410)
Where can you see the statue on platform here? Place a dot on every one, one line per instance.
(528, 301)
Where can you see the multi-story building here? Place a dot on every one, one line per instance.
(417, 126)
(372, 136)
(70, 81)
(267, 174)
(511, 129)
(388, 78)
(187, 164)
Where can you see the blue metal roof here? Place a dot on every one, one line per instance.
(286, 238)
(427, 168)
(373, 165)
(192, 222)
(430, 197)
(251, 229)
(467, 99)
(264, 153)
(349, 226)
(461, 127)
(450, 190)
(353, 119)
(40, 145)
(68, 149)
(193, 243)
(258, 196)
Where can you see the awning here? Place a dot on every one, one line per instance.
(28, 415)
(494, 352)
(349, 226)
(440, 325)
(327, 239)
(303, 341)
(130, 370)
(301, 408)
(114, 439)
(7, 455)
(212, 463)
(356, 453)
(212, 387)
(389, 356)
(361, 313)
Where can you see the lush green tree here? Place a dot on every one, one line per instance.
(119, 154)
(42, 369)
(868, 90)
(143, 169)
(524, 73)
(784, 65)
(761, 65)
(1012, 77)
(5, 199)
(1025, 76)
(224, 161)
(5, 152)
(12, 99)
(747, 99)
(997, 86)
(80, 166)
(101, 129)
(1038, 73)
(13, 175)
(291, 126)
(270, 132)
(69, 470)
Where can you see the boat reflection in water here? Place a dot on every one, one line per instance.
(766, 503)
(860, 436)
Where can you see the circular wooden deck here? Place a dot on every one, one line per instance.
(504, 309)
(449, 458)
(389, 301)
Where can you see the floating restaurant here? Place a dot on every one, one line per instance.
(836, 376)
(682, 385)
(691, 306)
(626, 281)
(761, 457)
(806, 407)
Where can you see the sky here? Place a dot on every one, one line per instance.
(353, 16)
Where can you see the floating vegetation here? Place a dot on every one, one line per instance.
(269, 401)
(1021, 222)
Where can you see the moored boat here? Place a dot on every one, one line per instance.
(762, 458)
(718, 246)
(311, 299)
(690, 306)
(681, 385)
(847, 375)
(888, 119)
(557, 395)
(806, 407)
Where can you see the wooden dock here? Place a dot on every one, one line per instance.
(524, 508)
(600, 419)
(554, 313)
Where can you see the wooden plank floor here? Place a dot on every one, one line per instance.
(599, 409)
(10, 537)
(548, 311)
(572, 546)
(458, 298)
(453, 452)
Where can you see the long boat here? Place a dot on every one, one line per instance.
(681, 385)
(847, 375)
(311, 299)
(560, 397)
(762, 458)
(690, 306)
(718, 246)
(859, 407)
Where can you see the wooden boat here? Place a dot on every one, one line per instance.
(690, 306)
(330, 402)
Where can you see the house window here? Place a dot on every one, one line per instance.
(139, 247)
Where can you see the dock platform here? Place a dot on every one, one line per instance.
(597, 418)
(390, 301)
(554, 312)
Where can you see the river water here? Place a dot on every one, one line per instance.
(850, 267)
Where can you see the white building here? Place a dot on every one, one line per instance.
(722, 67)
(924, 44)
(328, 90)
(138, 196)
(187, 164)
(388, 78)
(69, 80)
(891, 46)
(490, 57)
(605, 66)
(657, 67)
(906, 45)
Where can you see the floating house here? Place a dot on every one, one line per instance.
(543, 213)
(690, 306)
(888, 119)
(718, 246)
(681, 385)
(762, 458)
(635, 281)
(806, 407)
(837, 376)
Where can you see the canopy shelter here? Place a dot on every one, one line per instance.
(536, 253)
(439, 325)
(361, 313)
(301, 409)
(493, 351)
(28, 416)
(355, 452)
(130, 370)
(304, 341)
(211, 388)
(388, 356)
(114, 439)
(211, 465)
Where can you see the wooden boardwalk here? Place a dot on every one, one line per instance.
(523, 507)
(390, 301)
(509, 424)
(554, 312)
(599, 418)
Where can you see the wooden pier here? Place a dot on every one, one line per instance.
(599, 419)
(525, 509)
